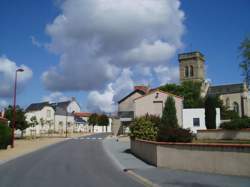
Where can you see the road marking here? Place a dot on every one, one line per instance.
(94, 138)
(99, 138)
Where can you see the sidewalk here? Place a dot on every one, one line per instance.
(25, 146)
(119, 152)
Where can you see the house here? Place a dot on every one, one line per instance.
(153, 103)
(44, 114)
(64, 115)
(52, 116)
(81, 119)
(2, 118)
(142, 101)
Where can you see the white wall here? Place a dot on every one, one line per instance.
(190, 114)
(101, 129)
(154, 104)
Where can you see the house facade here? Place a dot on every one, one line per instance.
(44, 114)
(55, 117)
(153, 103)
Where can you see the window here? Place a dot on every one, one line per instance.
(196, 122)
(236, 107)
(186, 71)
(191, 71)
(48, 113)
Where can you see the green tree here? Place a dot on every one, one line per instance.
(103, 120)
(169, 118)
(93, 120)
(34, 121)
(190, 90)
(21, 122)
(245, 59)
(210, 112)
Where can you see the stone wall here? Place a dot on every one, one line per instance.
(211, 158)
(221, 134)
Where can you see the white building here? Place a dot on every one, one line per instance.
(44, 114)
(194, 119)
(52, 117)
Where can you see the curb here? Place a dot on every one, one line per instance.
(146, 182)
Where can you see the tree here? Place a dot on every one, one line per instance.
(190, 90)
(93, 120)
(103, 120)
(210, 112)
(21, 122)
(245, 59)
(34, 121)
(42, 122)
(169, 118)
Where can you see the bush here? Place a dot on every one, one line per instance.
(175, 135)
(5, 136)
(143, 128)
(236, 124)
(169, 118)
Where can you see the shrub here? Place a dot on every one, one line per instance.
(236, 124)
(169, 118)
(143, 128)
(5, 136)
(175, 135)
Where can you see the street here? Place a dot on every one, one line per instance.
(72, 163)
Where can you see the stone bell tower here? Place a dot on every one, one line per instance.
(191, 66)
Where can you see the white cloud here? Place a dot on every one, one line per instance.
(7, 76)
(56, 97)
(98, 39)
(106, 101)
(35, 42)
(167, 74)
(3, 104)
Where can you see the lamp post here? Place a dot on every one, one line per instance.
(14, 108)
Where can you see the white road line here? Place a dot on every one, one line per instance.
(87, 138)
(94, 138)
(99, 138)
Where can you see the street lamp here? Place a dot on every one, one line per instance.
(14, 108)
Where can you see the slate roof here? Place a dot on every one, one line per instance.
(225, 89)
(61, 107)
(36, 106)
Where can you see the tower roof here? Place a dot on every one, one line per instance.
(190, 55)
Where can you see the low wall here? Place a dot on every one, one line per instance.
(146, 152)
(212, 158)
(221, 134)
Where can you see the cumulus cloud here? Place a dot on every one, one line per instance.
(167, 74)
(98, 39)
(7, 76)
(106, 101)
(56, 97)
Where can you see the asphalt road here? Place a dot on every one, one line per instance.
(72, 163)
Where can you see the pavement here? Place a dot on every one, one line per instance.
(153, 176)
(71, 163)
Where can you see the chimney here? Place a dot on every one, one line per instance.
(142, 88)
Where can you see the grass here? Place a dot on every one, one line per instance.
(223, 141)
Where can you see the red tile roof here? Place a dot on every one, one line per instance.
(82, 114)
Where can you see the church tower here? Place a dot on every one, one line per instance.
(191, 66)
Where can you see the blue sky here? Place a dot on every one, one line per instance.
(215, 28)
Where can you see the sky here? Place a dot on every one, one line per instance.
(97, 50)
